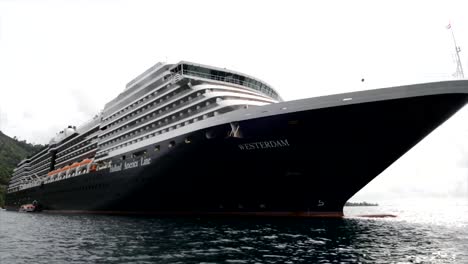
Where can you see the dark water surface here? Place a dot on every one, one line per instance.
(415, 236)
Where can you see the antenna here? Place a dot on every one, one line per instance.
(459, 71)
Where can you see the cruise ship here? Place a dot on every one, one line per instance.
(192, 139)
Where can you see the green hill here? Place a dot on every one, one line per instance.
(12, 151)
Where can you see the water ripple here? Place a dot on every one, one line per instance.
(44, 238)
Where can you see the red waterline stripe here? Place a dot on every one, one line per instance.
(376, 215)
(185, 213)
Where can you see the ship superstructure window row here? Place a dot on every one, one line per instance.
(38, 159)
(131, 137)
(91, 133)
(79, 136)
(158, 85)
(39, 168)
(84, 141)
(140, 82)
(150, 112)
(77, 151)
(85, 153)
(74, 154)
(20, 171)
(40, 153)
(163, 92)
(131, 107)
(143, 105)
(153, 71)
(171, 108)
(165, 129)
(163, 120)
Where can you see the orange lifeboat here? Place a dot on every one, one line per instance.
(52, 172)
(65, 168)
(74, 165)
(85, 161)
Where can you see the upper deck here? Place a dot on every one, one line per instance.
(224, 75)
(161, 73)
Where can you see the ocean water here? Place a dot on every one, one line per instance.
(421, 232)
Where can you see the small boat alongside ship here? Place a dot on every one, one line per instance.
(27, 208)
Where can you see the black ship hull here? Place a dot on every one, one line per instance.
(303, 162)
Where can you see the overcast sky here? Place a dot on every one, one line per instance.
(61, 61)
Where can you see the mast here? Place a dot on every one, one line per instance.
(459, 71)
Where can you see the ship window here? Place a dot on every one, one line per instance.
(139, 154)
(171, 144)
(157, 148)
(123, 157)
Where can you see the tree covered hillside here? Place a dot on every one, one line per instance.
(12, 151)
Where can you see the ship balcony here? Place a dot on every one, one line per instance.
(226, 77)
(161, 112)
(77, 153)
(155, 88)
(149, 107)
(153, 124)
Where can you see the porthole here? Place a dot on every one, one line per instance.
(157, 148)
(171, 144)
(210, 134)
